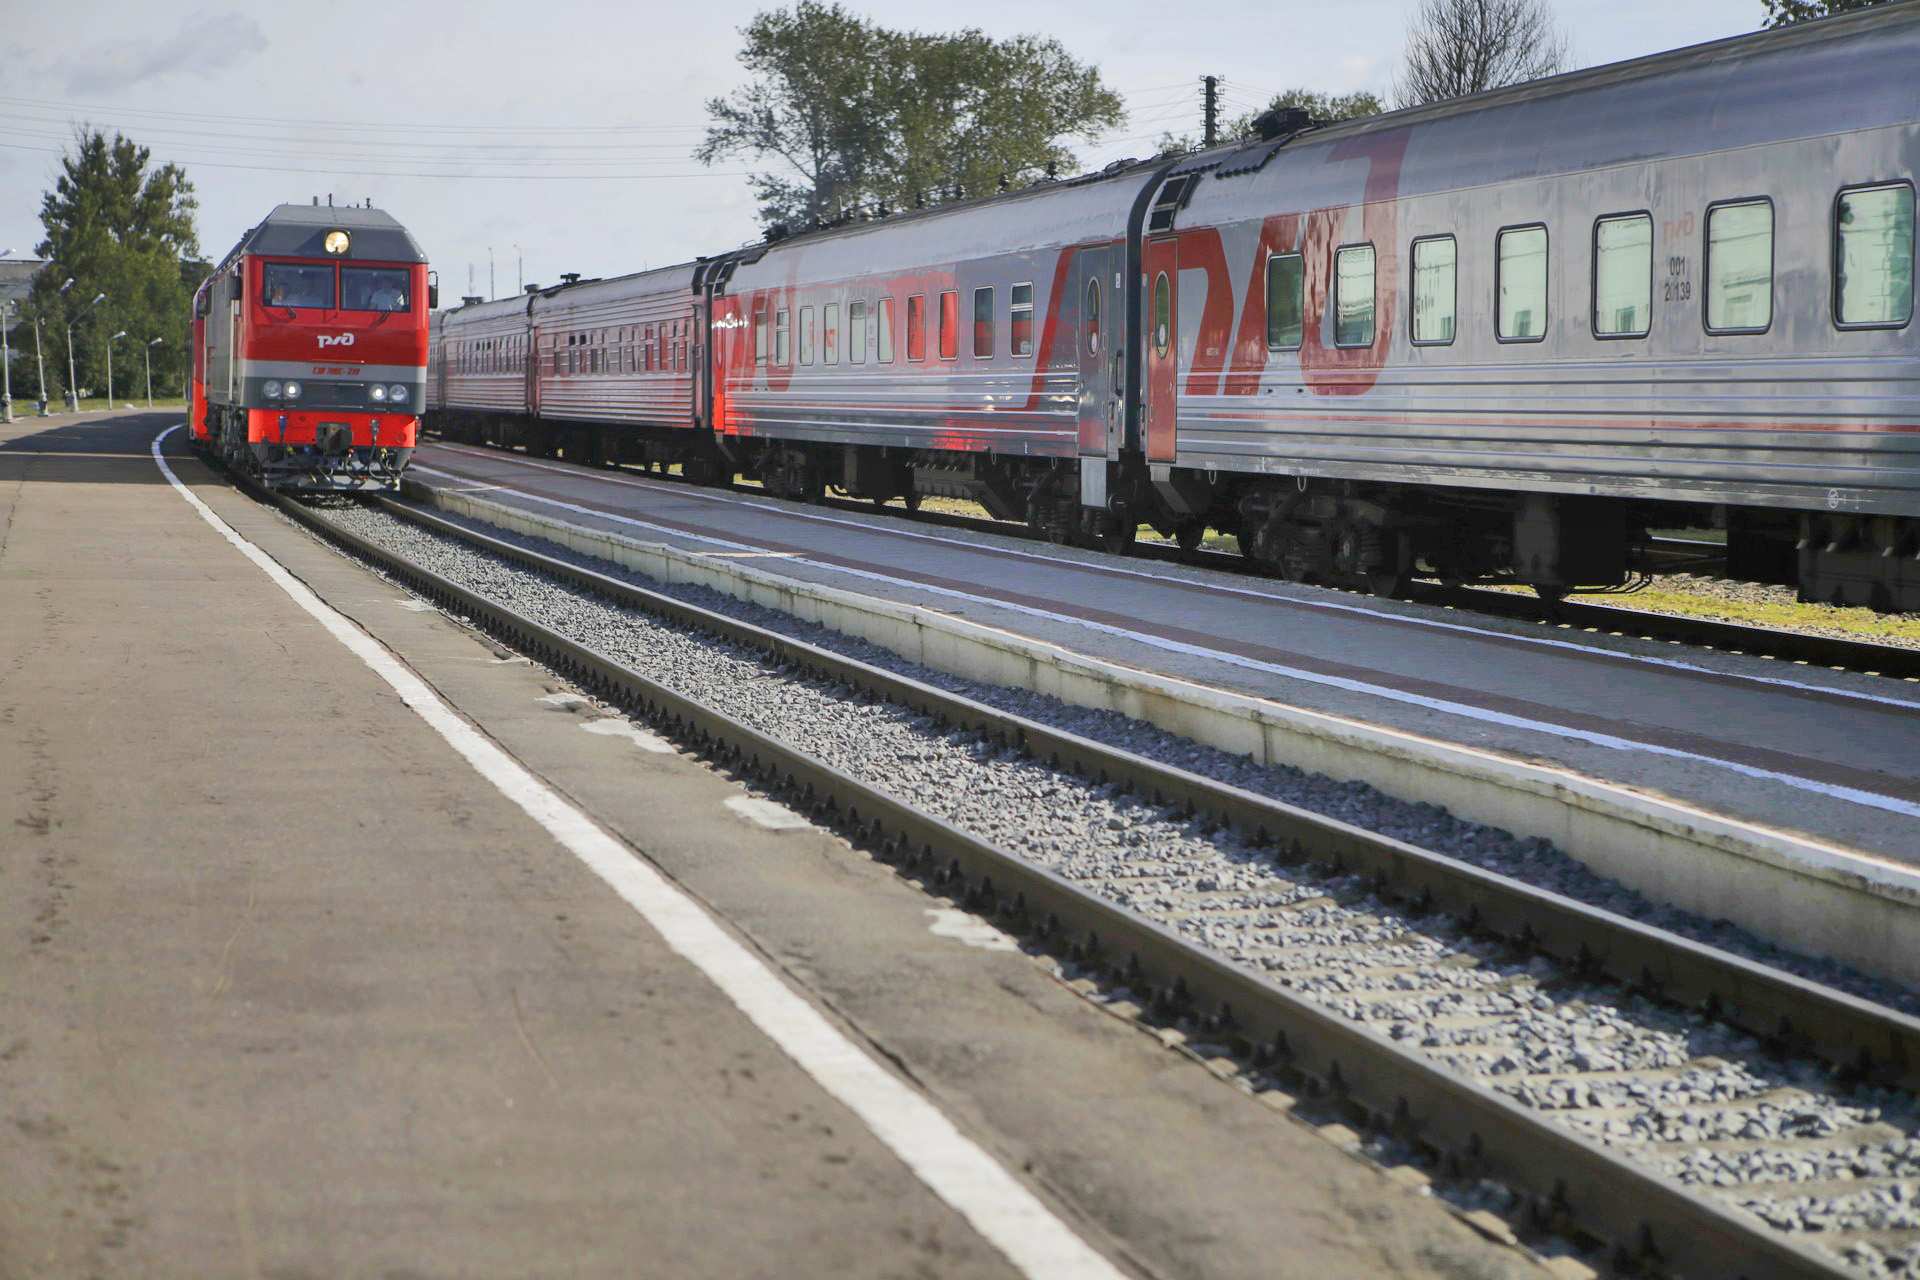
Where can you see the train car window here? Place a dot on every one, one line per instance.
(782, 341)
(949, 323)
(1353, 281)
(286, 284)
(1520, 284)
(760, 337)
(983, 323)
(1623, 276)
(1286, 286)
(917, 327)
(883, 330)
(1090, 317)
(1873, 256)
(1162, 314)
(830, 333)
(373, 288)
(806, 335)
(1739, 267)
(1020, 319)
(856, 333)
(1436, 289)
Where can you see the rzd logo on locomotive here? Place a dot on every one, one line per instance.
(335, 340)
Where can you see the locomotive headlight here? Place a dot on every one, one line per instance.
(271, 388)
(293, 391)
(377, 393)
(397, 393)
(336, 242)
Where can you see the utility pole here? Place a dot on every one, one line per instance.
(39, 362)
(6, 358)
(1211, 116)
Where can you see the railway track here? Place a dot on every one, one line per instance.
(1612, 619)
(1692, 1112)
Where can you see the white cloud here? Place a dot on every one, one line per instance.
(205, 43)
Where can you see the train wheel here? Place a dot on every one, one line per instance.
(1116, 538)
(1189, 534)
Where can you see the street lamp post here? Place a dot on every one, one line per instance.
(40, 362)
(147, 351)
(73, 391)
(110, 341)
(6, 358)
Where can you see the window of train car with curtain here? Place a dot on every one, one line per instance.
(782, 344)
(917, 327)
(1286, 287)
(949, 324)
(1020, 319)
(1873, 277)
(1521, 284)
(1739, 268)
(856, 333)
(1623, 276)
(760, 337)
(883, 326)
(1353, 278)
(830, 333)
(806, 335)
(1436, 265)
(983, 323)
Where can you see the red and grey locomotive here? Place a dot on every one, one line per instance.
(310, 350)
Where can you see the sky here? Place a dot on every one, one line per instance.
(518, 141)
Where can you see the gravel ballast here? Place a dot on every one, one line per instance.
(1609, 1064)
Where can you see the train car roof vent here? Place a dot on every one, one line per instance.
(1276, 128)
(569, 277)
(1281, 122)
(471, 300)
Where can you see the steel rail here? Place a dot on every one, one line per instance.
(1571, 1182)
(1790, 646)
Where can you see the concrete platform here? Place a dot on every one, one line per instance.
(286, 989)
(1799, 784)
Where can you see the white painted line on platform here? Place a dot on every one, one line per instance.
(779, 507)
(954, 1167)
(1466, 711)
(416, 606)
(615, 727)
(563, 699)
(964, 926)
(765, 813)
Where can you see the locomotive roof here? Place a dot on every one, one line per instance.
(296, 231)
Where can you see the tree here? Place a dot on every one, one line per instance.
(1782, 13)
(1457, 47)
(1324, 107)
(116, 226)
(859, 114)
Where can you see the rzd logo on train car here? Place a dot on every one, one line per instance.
(335, 340)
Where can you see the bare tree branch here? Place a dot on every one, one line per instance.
(1457, 47)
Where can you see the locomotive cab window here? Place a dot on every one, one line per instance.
(1739, 267)
(1020, 319)
(1520, 276)
(1873, 257)
(285, 284)
(1286, 291)
(1353, 278)
(1623, 276)
(373, 288)
(1436, 283)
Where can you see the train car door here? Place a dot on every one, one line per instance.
(1161, 266)
(537, 344)
(1102, 422)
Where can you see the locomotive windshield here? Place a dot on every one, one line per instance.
(284, 284)
(373, 288)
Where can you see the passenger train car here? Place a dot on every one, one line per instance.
(1496, 338)
(310, 350)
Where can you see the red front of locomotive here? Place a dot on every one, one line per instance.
(321, 379)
